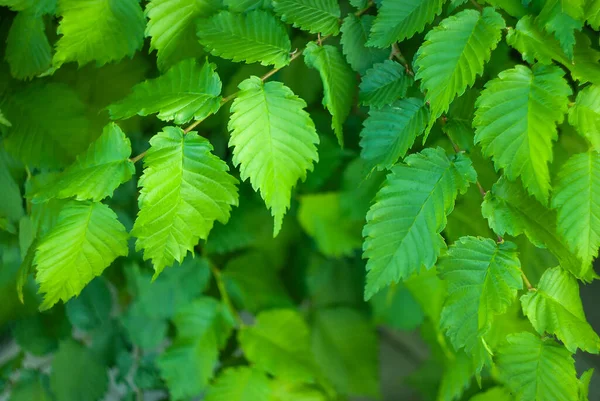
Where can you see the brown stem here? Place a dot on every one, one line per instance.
(477, 5)
(396, 53)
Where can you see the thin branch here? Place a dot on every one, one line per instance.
(477, 5)
(364, 10)
(223, 291)
(396, 53)
(138, 157)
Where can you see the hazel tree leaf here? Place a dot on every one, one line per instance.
(338, 81)
(86, 239)
(184, 189)
(270, 114)
(383, 84)
(97, 172)
(585, 115)
(562, 18)
(256, 36)
(28, 51)
(172, 29)
(401, 19)
(355, 33)
(403, 228)
(454, 53)
(483, 278)
(555, 307)
(536, 369)
(515, 122)
(592, 13)
(100, 31)
(186, 91)
(314, 16)
(584, 384)
(389, 132)
(240, 384)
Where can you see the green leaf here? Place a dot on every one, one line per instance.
(185, 92)
(76, 375)
(401, 19)
(457, 376)
(555, 307)
(337, 335)
(396, 307)
(510, 210)
(101, 31)
(592, 13)
(172, 29)
(28, 389)
(493, 394)
(185, 188)
(270, 113)
(28, 51)
(203, 327)
(383, 84)
(38, 7)
(86, 239)
(483, 278)
(279, 344)
(534, 369)
(585, 115)
(577, 201)
(391, 131)
(338, 83)
(402, 233)
(97, 172)
(91, 309)
(240, 384)
(11, 201)
(515, 123)
(290, 391)
(242, 6)
(49, 126)
(454, 53)
(562, 18)
(584, 384)
(314, 16)
(459, 119)
(321, 216)
(355, 33)
(256, 36)
(4, 121)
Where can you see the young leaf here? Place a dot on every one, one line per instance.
(338, 81)
(401, 19)
(555, 307)
(279, 344)
(390, 132)
(403, 228)
(592, 13)
(203, 327)
(454, 53)
(585, 115)
(97, 172)
(536, 369)
(493, 394)
(28, 51)
(185, 92)
(270, 114)
(101, 31)
(483, 278)
(256, 36)
(577, 201)
(510, 210)
(314, 16)
(355, 32)
(240, 384)
(337, 334)
(383, 84)
(185, 188)
(562, 18)
(172, 29)
(515, 123)
(85, 240)
(321, 216)
(584, 384)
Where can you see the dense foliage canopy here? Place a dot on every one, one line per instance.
(239, 200)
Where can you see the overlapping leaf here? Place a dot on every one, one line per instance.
(256, 36)
(536, 369)
(585, 115)
(185, 188)
(172, 28)
(483, 278)
(28, 51)
(390, 132)
(402, 233)
(101, 31)
(516, 120)
(85, 240)
(355, 33)
(187, 91)
(273, 141)
(338, 81)
(454, 53)
(401, 19)
(562, 18)
(240, 384)
(97, 172)
(555, 307)
(383, 84)
(315, 16)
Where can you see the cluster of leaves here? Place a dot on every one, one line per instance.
(186, 285)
